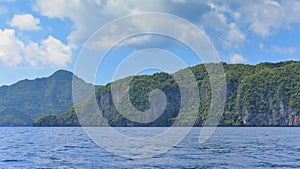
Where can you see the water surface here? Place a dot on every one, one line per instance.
(229, 147)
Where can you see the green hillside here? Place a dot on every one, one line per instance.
(267, 94)
(27, 100)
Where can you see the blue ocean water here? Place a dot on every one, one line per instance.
(229, 147)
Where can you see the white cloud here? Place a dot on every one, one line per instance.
(235, 37)
(131, 26)
(179, 1)
(25, 22)
(11, 48)
(215, 20)
(89, 16)
(266, 17)
(56, 8)
(231, 20)
(283, 50)
(291, 11)
(278, 50)
(230, 34)
(117, 8)
(50, 51)
(237, 58)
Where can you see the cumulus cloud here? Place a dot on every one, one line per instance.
(227, 22)
(283, 50)
(237, 58)
(228, 32)
(25, 22)
(215, 20)
(278, 49)
(266, 17)
(11, 49)
(50, 51)
(291, 11)
(121, 29)
(89, 16)
(234, 37)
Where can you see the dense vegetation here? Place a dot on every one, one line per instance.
(27, 100)
(265, 94)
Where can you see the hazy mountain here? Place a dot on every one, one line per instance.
(27, 100)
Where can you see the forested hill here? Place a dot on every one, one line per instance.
(267, 94)
(27, 100)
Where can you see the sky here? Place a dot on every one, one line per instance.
(39, 37)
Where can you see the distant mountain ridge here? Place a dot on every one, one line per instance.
(267, 94)
(23, 102)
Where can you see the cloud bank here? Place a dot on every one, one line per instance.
(229, 24)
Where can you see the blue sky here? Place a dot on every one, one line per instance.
(39, 37)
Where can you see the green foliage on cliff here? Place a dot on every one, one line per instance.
(264, 94)
(67, 119)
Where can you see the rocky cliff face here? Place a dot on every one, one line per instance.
(270, 96)
(263, 95)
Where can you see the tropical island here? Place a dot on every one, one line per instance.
(266, 94)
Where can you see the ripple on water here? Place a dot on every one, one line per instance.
(11, 161)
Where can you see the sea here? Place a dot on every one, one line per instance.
(228, 147)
